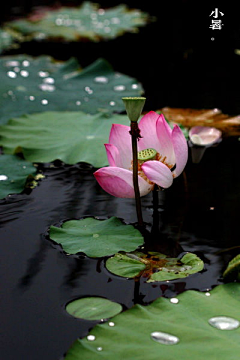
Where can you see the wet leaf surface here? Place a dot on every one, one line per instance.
(68, 136)
(169, 330)
(154, 266)
(96, 238)
(14, 173)
(93, 308)
(29, 85)
(232, 271)
(88, 21)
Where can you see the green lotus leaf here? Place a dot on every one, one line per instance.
(154, 266)
(87, 22)
(125, 266)
(93, 308)
(187, 320)
(8, 40)
(96, 238)
(14, 173)
(232, 271)
(68, 136)
(30, 85)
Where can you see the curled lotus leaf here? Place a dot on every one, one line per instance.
(232, 271)
(154, 266)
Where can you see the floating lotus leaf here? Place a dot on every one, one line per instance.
(14, 173)
(232, 271)
(187, 320)
(88, 21)
(154, 266)
(39, 84)
(68, 136)
(93, 308)
(96, 238)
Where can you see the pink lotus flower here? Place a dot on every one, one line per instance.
(162, 155)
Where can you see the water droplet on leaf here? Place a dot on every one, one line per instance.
(59, 22)
(3, 177)
(11, 74)
(224, 323)
(101, 11)
(47, 87)
(43, 74)
(88, 90)
(44, 102)
(134, 86)
(24, 73)
(26, 63)
(112, 103)
(164, 338)
(12, 63)
(48, 80)
(115, 20)
(111, 323)
(174, 301)
(119, 88)
(101, 79)
(91, 337)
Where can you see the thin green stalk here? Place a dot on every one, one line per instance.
(134, 134)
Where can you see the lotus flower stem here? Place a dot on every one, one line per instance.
(135, 133)
(134, 106)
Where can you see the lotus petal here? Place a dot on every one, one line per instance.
(119, 182)
(204, 136)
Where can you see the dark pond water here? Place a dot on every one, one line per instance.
(200, 211)
(178, 65)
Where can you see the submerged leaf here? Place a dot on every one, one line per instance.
(13, 174)
(29, 85)
(96, 238)
(93, 308)
(68, 136)
(154, 266)
(232, 271)
(80, 23)
(136, 330)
